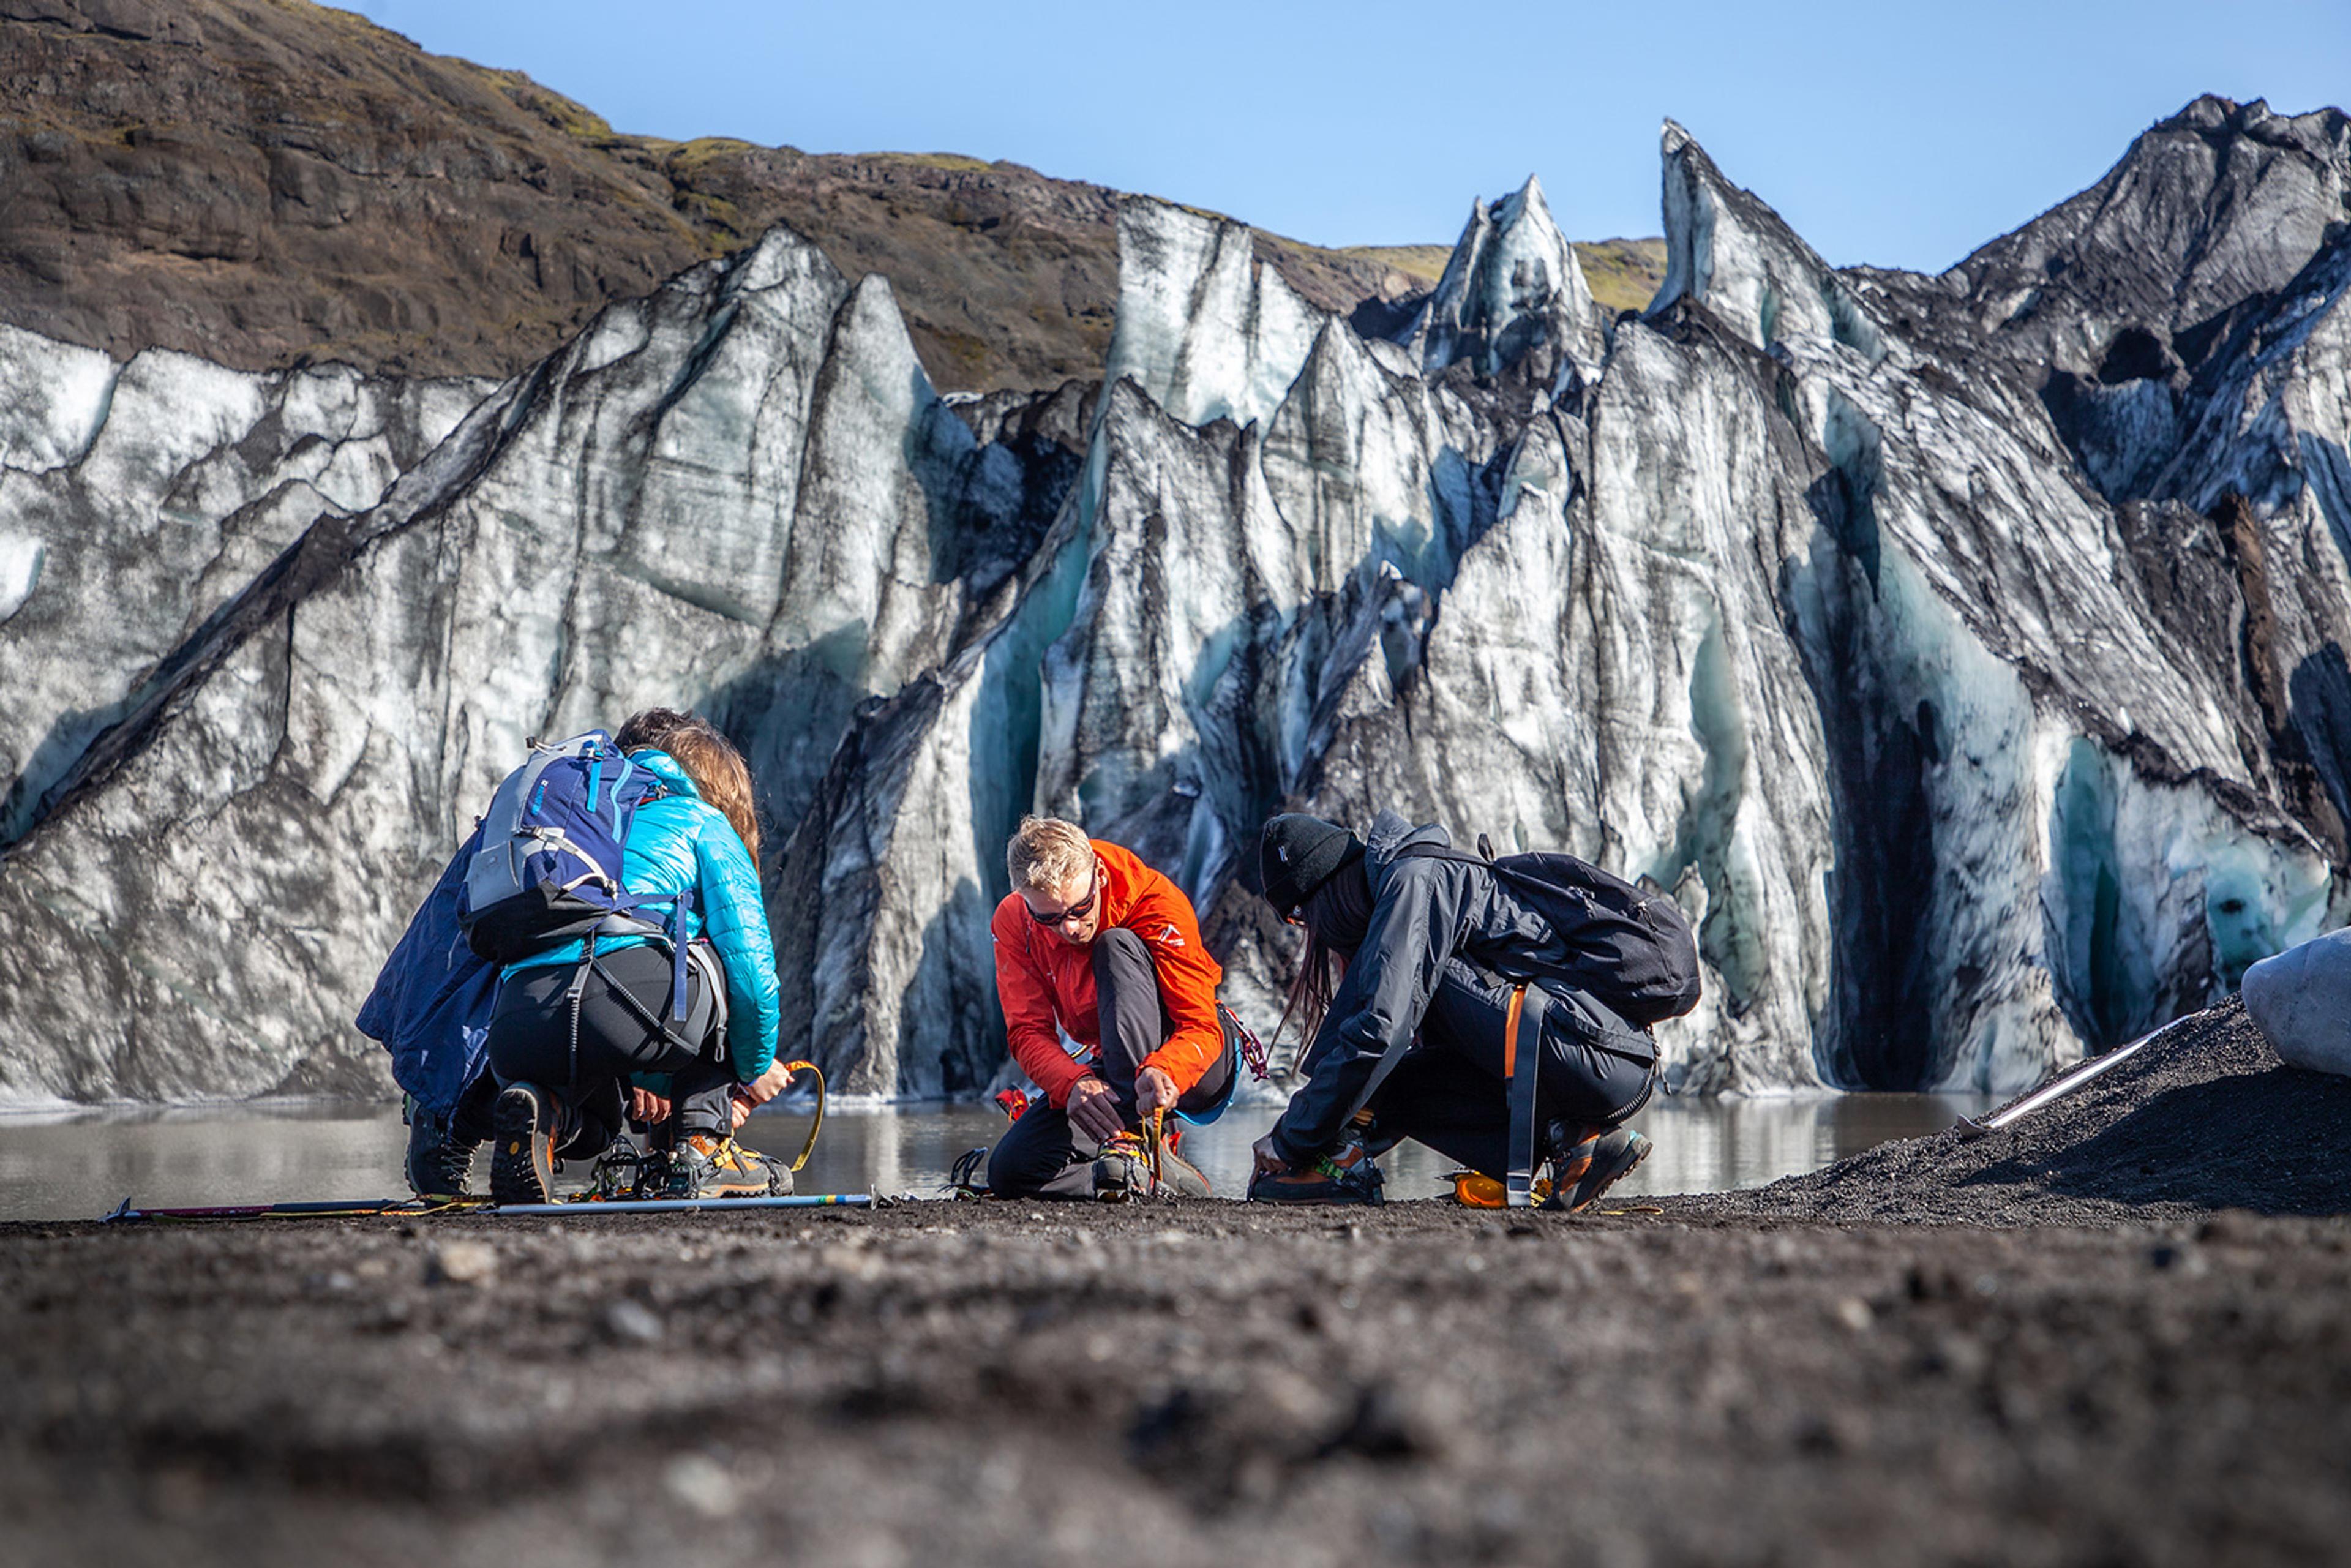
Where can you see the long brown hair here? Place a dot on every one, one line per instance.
(1320, 969)
(709, 759)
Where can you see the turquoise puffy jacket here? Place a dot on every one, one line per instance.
(682, 842)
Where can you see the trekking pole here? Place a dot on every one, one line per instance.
(682, 1205)
(2057, 1088)
(329, 1208)
(1153, 1131)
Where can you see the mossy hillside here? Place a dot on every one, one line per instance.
(1623, 274)
(438, 170)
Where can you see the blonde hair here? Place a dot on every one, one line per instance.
(1048, 855)
(709, 759)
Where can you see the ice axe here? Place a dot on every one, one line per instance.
(2057, 1088)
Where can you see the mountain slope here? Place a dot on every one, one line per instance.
(268, 183)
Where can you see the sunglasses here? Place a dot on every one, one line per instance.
(1077, 911)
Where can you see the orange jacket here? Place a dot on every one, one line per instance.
(1043, 980)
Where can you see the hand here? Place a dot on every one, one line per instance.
(1154, 1091)
(738, 1110)
(1093, 1109)
(1269, 1161)
(647, 1109)
(769, 1084)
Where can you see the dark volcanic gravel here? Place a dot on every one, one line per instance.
(2109, 1371)
(2204, 1118)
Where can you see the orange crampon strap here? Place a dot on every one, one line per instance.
(1479, 1190)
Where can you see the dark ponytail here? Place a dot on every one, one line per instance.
(1320, 969)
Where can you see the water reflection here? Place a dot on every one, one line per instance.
(81, 1165)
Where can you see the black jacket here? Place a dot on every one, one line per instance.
(1428, 916)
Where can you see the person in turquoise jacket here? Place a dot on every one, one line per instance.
(573, 1034)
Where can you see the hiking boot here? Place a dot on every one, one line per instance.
(1118, 1170)
(1348, 1174)
(525, 1123)
(705, 1164)
(1179, 1177)
(1581, 1174)
(439, 1162)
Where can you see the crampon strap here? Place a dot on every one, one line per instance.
(1154, 1142)
(963, 1178)
(813, 1070)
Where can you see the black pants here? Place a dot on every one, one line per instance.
(1450, 1094)
(623, 1027)
(1135, 1023)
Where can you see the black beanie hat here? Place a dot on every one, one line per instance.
(1299, 854)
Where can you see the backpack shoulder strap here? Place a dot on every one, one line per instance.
(1439, 852)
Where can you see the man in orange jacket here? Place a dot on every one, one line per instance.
(1094, 945)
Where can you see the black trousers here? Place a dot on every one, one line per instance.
(1135, 1023)
(623, 1027)
(1450, 1093)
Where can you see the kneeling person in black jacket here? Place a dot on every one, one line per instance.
(1448, 974)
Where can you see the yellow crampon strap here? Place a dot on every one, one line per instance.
(813, 1070)
(1154, 1132)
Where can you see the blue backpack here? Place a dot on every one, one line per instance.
(548, 872)
(540, 869)
(432, 1003)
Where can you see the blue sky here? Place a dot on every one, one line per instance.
(1900, 134)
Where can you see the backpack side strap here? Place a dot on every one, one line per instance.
(1522, 1066)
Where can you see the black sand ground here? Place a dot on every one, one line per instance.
(2092, 1353)
(2204, 1118)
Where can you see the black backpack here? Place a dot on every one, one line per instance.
(1633, 951)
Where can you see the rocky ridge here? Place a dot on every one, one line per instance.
(271, 183)
(1799, 594)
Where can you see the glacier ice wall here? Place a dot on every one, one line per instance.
(224, 868)
(1967, 657)
(136, 499)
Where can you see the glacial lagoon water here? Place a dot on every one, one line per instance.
(80, 1165)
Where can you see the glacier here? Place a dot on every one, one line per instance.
(1964, 652)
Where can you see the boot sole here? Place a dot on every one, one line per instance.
(518, 1170)
(1376, 1200)
(1268, 1193)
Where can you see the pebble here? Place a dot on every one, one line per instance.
(461, 1264)
(700, 1482)
(633, 1321)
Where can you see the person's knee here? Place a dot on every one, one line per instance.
(1126, 989)
(1014, 1172)
(1032, 1153)
(1008, 1177)
(1118, 950)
